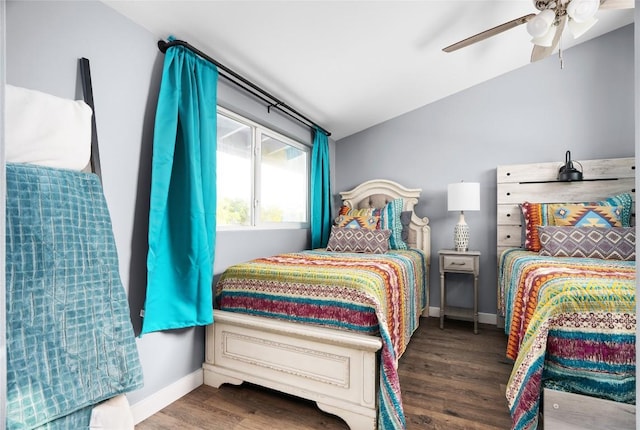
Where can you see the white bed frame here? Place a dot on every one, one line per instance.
(336, 369)
(537, 182)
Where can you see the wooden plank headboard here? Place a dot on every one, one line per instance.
(537, 182)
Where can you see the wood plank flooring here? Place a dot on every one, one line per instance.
(451, 379)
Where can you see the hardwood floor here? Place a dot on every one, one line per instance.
(451, 379)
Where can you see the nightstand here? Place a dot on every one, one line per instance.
(459, 262)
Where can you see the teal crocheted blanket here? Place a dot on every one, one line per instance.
(70, 343)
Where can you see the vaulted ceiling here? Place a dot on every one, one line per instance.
(349, 65)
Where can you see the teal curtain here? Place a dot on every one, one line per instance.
(182, 221)
(320, 191)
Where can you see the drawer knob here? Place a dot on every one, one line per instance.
(458, 264)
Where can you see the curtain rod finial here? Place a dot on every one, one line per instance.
(162, 46)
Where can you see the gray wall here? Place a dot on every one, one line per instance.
(44, 40)
(533, 114)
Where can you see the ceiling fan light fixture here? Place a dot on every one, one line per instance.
(547, 26)
(547, 38)
(579, 28)
(582, 10)
(539, 25)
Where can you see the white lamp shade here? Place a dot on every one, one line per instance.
(539, 25)
(546, 39)
(579, 28)
(463, 196)
(582, 10)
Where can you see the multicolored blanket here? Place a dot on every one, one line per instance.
(375, 294)
(571, 324)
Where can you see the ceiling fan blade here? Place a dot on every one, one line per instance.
(540, 52)
(490, 32)
(616, 4)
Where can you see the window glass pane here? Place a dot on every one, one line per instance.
(233, 172)
(283, 182)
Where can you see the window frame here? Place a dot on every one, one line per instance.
(257, 131)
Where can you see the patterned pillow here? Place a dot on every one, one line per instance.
(624, 201)
(346, 210)
(534, 215)
(358, 240)
(586, 216)
(616, 243)
(390, 220)
(537, 214)
(357, 221)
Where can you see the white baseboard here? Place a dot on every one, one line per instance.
(169, 394)
(483, 318)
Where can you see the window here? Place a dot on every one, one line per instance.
(262, 176)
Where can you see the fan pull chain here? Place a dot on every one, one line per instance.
(561, 58)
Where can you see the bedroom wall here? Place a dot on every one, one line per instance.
(533, 114)
(44, 40)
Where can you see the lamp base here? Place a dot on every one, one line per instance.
(461, 235)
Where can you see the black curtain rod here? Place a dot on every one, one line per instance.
(230, 75)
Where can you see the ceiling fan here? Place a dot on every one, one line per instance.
(546, 27)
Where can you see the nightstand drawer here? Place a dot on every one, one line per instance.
(458, 263)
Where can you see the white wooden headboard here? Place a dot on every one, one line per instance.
(377, 192)
(537, 183)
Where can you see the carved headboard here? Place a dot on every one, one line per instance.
(378, 192)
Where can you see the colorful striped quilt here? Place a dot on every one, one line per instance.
(571, 324)
(375, 294)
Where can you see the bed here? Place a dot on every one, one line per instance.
(71, 352)
(341, 370)
(566, 293)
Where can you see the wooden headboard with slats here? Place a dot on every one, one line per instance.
(537, 182)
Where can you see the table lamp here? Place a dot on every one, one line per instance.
(463, 196)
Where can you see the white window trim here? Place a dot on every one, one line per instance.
(258, 130)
